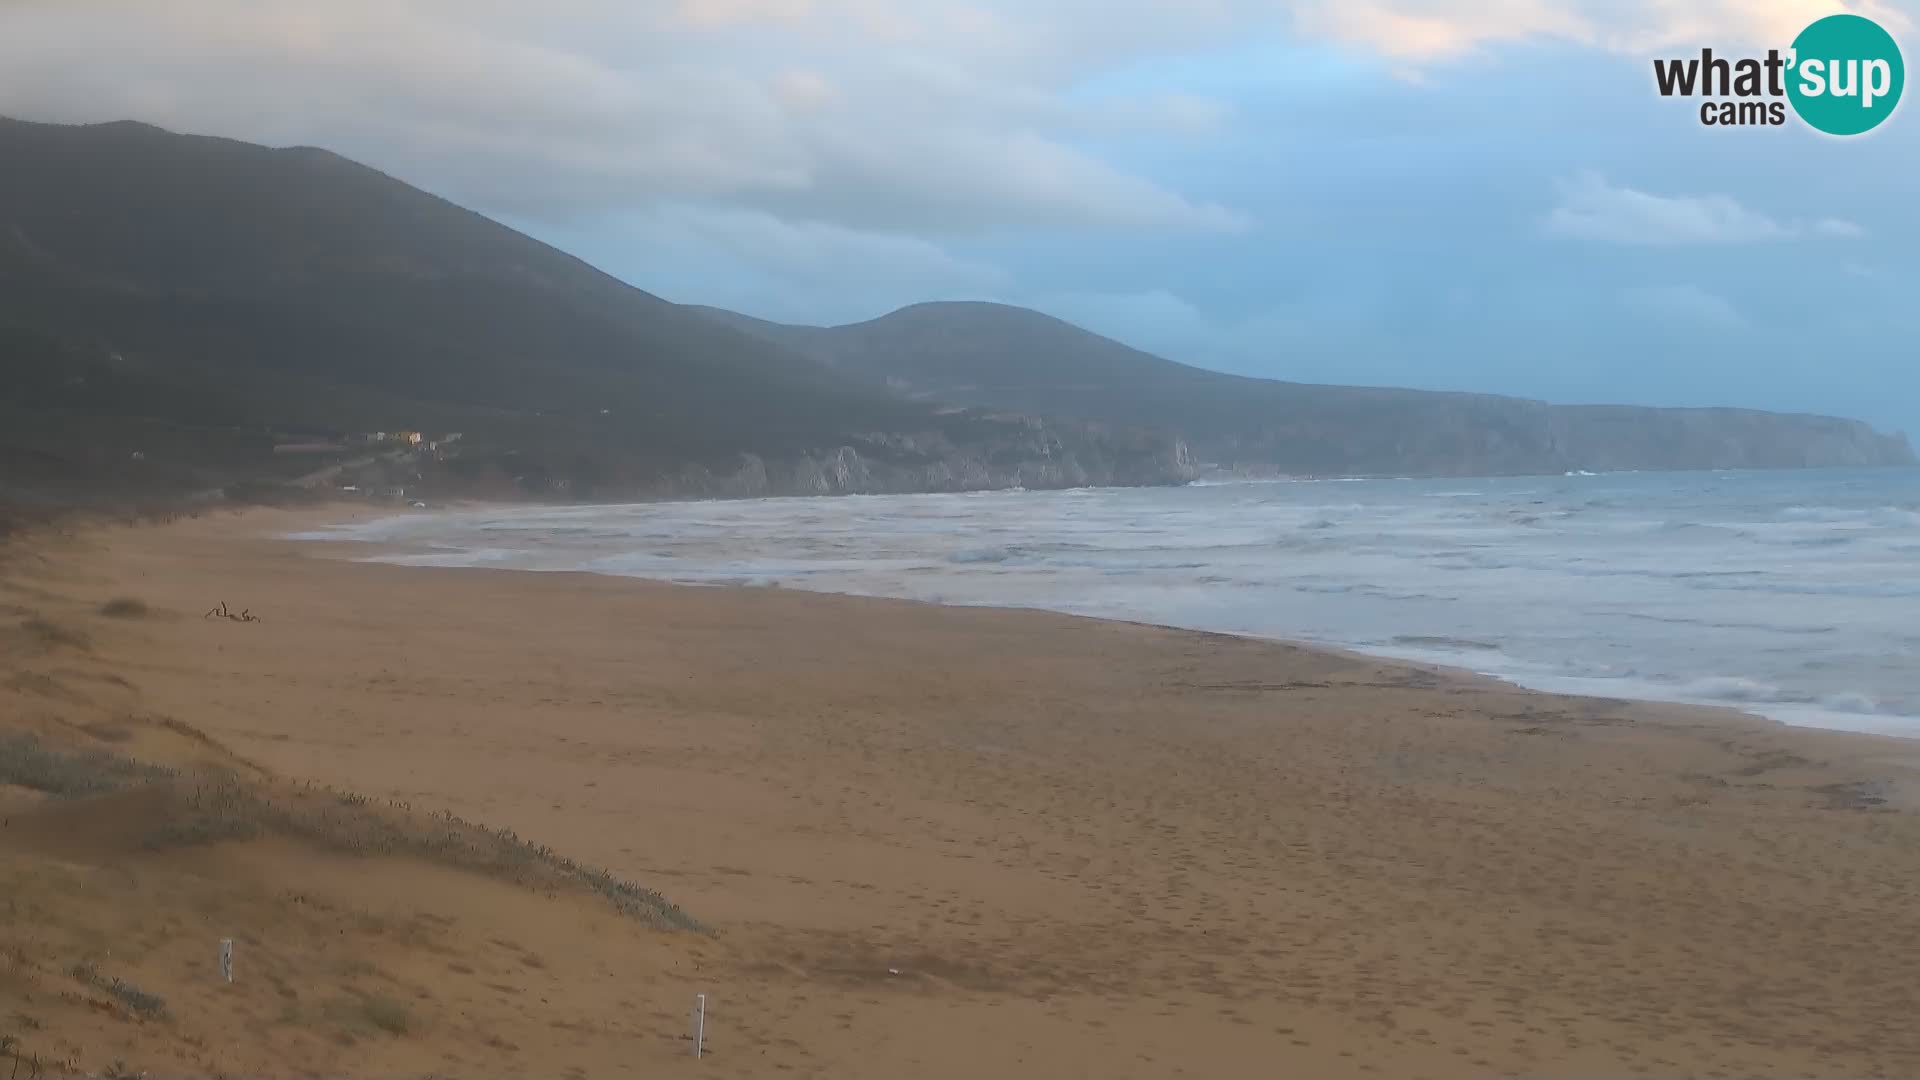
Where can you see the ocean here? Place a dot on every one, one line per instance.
(1795, 595)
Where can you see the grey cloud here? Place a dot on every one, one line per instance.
(942, 114)
(759, 263)
(1684, 304)
(1591, 208)
(811, 251)
(1427, 31)
(549, 120)
(1309, 217)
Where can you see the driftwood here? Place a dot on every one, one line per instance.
(221, 612)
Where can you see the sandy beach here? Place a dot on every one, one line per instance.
(924, 841)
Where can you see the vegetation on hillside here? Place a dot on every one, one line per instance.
(980, 354)
(171, 306)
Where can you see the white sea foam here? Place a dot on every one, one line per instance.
(1790, 594)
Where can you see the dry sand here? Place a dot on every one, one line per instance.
(937, 842)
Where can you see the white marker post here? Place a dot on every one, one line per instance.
(226, 959)
(699, 1022)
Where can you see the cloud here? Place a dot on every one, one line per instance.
(810, 251)
(803, 91)
(1440, 30)
(793, 271)
(1836, 227)
(1685, 305)
(1239, 183)
(1177, 112)
(1279, 339)
(949, 180)
(782, 105)
(1415, 30)
(946, 116)
(1412, 30)
(1593, 209)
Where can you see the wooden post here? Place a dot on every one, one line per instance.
(699, 1022)
(226, 959)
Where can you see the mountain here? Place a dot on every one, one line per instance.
(187, 315)
(995, 356)
(195, 301)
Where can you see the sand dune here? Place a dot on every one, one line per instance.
(936, 842)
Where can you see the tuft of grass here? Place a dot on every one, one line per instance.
(137, 999)
(216, 806)
(125, 607)
(387, 1014)
(26, 762)
(152, 1006)
(222, 807)
(181, 727)
(52, 635)
(108, 732)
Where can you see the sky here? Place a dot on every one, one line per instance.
(1482, 195)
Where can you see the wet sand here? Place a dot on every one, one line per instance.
(962, 842)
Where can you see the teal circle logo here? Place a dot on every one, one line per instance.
(1846, 75)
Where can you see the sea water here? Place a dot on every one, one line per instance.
(1795, 595)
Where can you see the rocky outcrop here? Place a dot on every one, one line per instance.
(1044, 456)
(977, 453)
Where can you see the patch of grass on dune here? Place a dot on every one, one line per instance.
(222, 806)
(387, 1014)
(107, 731)
(215, 806)
(125, 607)
(27, 762)
(51, 635)
(134, 998)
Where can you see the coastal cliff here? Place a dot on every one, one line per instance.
(998, 452)
(1613, 438)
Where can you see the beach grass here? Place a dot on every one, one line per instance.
(212, 805)
(151, 1006)
(26, 761)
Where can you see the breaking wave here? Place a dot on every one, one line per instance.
(1789, 594)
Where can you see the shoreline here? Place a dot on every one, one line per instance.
(1901, 748)
(944, 841)
(1803, 715)
(327, 516)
